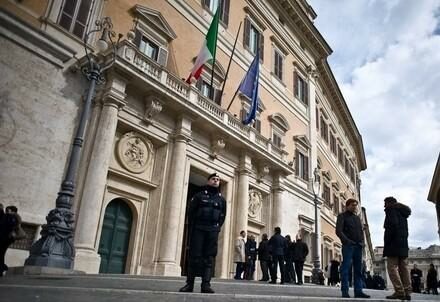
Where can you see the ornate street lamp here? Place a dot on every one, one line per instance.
(55, 248)
(316, 186)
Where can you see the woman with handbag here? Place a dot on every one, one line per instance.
(10, 230)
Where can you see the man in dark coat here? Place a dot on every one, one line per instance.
(277, 245)
(396, 247)
(251, 256)
(206, 214)
(416, 279)
(264, 257)
(300, 252)
(431, 280)
(349, 231)
(288, 257)
(9, 221)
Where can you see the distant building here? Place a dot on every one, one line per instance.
(422, 257)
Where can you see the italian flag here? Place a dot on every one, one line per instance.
(207, 52)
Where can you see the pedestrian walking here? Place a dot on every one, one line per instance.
(264, 257)
(206, 215)
(431, 280)
(240, 255)
(396, 247)
(416, 279)
(277, 245)
(349, 230)
(300, 252)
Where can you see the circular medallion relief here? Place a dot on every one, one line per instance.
(134, 152)
(255, 202)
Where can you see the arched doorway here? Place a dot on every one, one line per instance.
(115, 237)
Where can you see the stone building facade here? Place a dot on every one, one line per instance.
(421, 257)
(152, 139)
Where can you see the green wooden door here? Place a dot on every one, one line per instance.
(115, 237)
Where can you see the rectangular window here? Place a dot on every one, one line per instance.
(340, 156)
(300, 88)
(347, 166)
(335, 204)
(149, 48)
(276, 139)
(74, 16)
(302, 165)
(278, 64)
(257, 122)
(326, 194)
(324, 130)
(223, 5)
(253, 38)
(333, 143)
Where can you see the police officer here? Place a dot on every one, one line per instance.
(206, 214)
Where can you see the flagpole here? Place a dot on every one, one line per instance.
(213, 59)
(229, 64)
(233, 98)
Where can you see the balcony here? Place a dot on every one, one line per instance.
(188, 99)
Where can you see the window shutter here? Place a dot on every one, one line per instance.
(246, 32)
(258, 125)
(297, 159)
(317, 118)
(199, 83)
(217, 96)
(162, 56)
(306, 167)
(242, 114)
(295, 83)
(261, 45)
(306, 93)
(225, 12)
(205, 3)
(137, 38)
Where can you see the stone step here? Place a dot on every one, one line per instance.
(97, 288)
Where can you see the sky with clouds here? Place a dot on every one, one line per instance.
(386, 59)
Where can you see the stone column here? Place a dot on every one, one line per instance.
(88, 217)
(277, 212)
(242, 207)
(168, 263)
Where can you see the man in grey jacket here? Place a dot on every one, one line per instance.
(349, 230)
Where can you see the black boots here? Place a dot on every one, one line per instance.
(206, 279)
(189, 287)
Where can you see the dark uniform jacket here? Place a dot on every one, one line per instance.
(300, 250)
(396, 230)
(349, 228)
(277, 245)
(251, 249)
(263, 251)
(207, 210)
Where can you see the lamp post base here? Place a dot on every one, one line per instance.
(316, 273)
(55, 247)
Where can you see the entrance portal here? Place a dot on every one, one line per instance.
(115, 237)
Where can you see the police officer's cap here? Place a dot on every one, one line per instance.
(213, 175)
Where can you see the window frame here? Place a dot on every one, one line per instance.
(300, 88)
(249, 27)
(278, 59)
(74, 17)
(224, 9)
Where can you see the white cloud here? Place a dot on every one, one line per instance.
(387, 62)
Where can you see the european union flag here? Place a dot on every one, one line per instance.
(249, 87)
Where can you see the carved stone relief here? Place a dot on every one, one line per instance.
(255, 204)
(134, 152)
